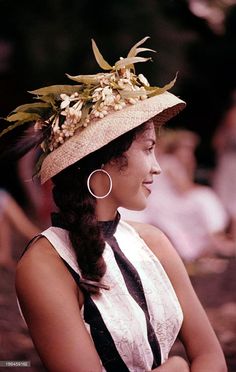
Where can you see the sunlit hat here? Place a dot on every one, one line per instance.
(76, 120)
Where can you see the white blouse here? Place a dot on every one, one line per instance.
(119, 311)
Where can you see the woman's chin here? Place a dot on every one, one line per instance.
(139, 206)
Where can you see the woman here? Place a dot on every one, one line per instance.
(97, 293)
(224, 177)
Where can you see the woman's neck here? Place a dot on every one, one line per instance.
(104, 211)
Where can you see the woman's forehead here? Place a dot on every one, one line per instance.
(148, 134)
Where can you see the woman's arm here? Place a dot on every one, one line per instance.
(49, 300)
(173, 364)
(200, 342)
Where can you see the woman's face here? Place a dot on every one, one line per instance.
(132, 183)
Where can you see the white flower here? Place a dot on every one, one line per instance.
(143, 97)
(78, 105)
(99, 111)
(143, 80)
(133, 101)
(65, 101)
(55, 124)
(72, 115)
(108, 96)
(97, 94)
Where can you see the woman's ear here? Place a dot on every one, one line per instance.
(113, 162)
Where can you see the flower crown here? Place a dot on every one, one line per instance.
(62, 109)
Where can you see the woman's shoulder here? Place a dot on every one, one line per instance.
(38, 256)
(156, 240)
(162, 248)
(41, 266)
(146, 231)
(41, 278)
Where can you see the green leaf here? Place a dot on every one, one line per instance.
(139, 50)
(50, 100)
(99, 58)
(13, 126)
(129, 61)
(153, 91)
(23, 116)
(32, 107)
(89, 79)
(133, 51)
(85, 111)
(56, 90)
(131, 93)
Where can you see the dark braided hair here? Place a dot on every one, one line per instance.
(77, 206)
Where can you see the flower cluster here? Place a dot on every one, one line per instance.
(112, 93)
(62, 109)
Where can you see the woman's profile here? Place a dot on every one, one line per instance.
(98, 293)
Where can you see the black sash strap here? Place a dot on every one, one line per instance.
(135, 288)
(101, 336)
(33, 240)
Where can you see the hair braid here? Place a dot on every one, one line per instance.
(77, 213)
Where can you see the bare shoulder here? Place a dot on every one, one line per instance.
(147, 231)
(41, 267)
(40, 249)
(40, 258)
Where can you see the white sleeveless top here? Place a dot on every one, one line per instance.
(121, 316)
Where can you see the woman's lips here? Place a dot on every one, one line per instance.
(147, 185)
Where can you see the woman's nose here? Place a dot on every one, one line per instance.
(156, 169)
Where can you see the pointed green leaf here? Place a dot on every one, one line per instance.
(132, 52)
(139, 50)
(13, 126)
(48, 99)
(132, 93)
(89, 79)
(56, 90)
(99, 58)
(25, 116)
(32, 107)
(129, 61)
(153, 91)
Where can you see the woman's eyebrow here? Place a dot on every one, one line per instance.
(153, 141)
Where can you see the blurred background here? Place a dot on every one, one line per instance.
(40, 41)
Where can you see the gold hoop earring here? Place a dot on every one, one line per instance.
(88, 183)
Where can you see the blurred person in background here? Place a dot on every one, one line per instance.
(40, 203)
(224, 180)
(12, 219)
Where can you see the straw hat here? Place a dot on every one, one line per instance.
(73, 121)
(100, 132)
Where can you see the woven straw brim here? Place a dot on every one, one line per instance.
(102, 131)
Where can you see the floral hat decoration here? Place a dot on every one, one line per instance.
(74, 120)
